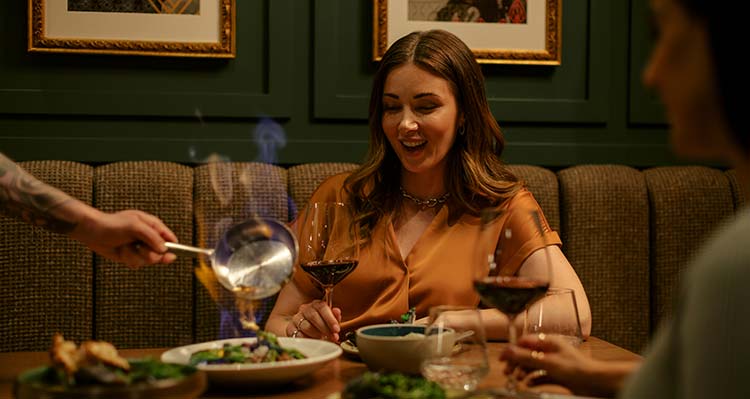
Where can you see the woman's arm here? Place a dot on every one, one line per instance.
(563, 276)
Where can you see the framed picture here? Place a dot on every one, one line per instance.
(497, 31)
(181, 28)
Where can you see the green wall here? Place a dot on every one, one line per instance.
(306, 65)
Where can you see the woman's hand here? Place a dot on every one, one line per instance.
(557, 361)
(315, 320)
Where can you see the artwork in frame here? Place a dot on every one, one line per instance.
(178, 28)
(497, 31)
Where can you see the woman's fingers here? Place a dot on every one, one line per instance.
(320, 321)
(532, 352)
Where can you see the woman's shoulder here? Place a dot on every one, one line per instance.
(331, 189)
(522, 199)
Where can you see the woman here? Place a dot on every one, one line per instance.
(703, 351)
(432, 166)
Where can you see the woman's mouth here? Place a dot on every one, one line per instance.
(415, 145)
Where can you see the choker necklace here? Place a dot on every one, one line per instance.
(423, 204)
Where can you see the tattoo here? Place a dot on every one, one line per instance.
(24, 197)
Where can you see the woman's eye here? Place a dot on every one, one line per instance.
(390, 108)
(427, 108)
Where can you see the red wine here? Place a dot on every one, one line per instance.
(329, 272)
(510, 294)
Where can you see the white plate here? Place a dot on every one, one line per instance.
(350, 349)
(318, 352)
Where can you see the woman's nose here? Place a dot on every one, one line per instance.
(408, 122)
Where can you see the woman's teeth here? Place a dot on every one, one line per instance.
(413, 144)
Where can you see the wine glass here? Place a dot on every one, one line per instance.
(503, 238)
(329, 244)
(563, 321)
(455, 349)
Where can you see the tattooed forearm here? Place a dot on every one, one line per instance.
(24, 197)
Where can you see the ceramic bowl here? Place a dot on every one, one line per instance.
(386, 347)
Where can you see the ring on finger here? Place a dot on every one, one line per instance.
(538, 374)
(538, 355)
(298, 324)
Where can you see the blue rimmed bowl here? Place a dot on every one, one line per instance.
(390, 347)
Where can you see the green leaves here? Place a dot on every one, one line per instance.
(391, 386)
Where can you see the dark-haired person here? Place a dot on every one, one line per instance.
(432, 166)
(703, 352)
(131, 237)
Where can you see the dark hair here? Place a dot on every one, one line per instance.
(726, 28)
(476, 177)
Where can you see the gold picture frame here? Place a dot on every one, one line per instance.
(536, 41)
(175, 28)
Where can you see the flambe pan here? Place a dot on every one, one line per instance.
(252, 259)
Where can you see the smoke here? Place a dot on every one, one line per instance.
(233, 186)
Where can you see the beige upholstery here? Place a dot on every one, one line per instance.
(605, 216)
(45, 278)
(152, 306)
(225, 195)
(628, 234)
(686, 204)
(739, 196)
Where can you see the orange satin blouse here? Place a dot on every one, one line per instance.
(439, 270)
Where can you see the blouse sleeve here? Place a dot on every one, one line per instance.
(520, 234)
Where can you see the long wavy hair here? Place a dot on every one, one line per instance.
(476, 177)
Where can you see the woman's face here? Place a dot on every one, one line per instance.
(419, 119)
(682, 72)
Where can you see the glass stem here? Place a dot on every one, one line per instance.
(512, 383)
(328, 297)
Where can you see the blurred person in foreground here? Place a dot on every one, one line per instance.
(131, 237)
(433, 164)
(703, 352)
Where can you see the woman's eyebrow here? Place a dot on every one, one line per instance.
(417, 96)
(427, 94)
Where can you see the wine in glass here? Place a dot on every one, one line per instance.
(511, 294)
(329, 244)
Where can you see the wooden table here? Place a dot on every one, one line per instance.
(329, 379)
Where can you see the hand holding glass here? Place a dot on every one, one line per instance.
(510, 294)
(329, 244)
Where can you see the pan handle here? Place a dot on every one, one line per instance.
(187, 250)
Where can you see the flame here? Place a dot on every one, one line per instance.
(237, 309)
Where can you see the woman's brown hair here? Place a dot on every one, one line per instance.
(476, 177)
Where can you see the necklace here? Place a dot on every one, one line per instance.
(423, 204)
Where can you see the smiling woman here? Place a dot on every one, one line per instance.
(433, 164)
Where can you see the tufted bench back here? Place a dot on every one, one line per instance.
(628, 233)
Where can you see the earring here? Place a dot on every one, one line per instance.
(461, 130)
